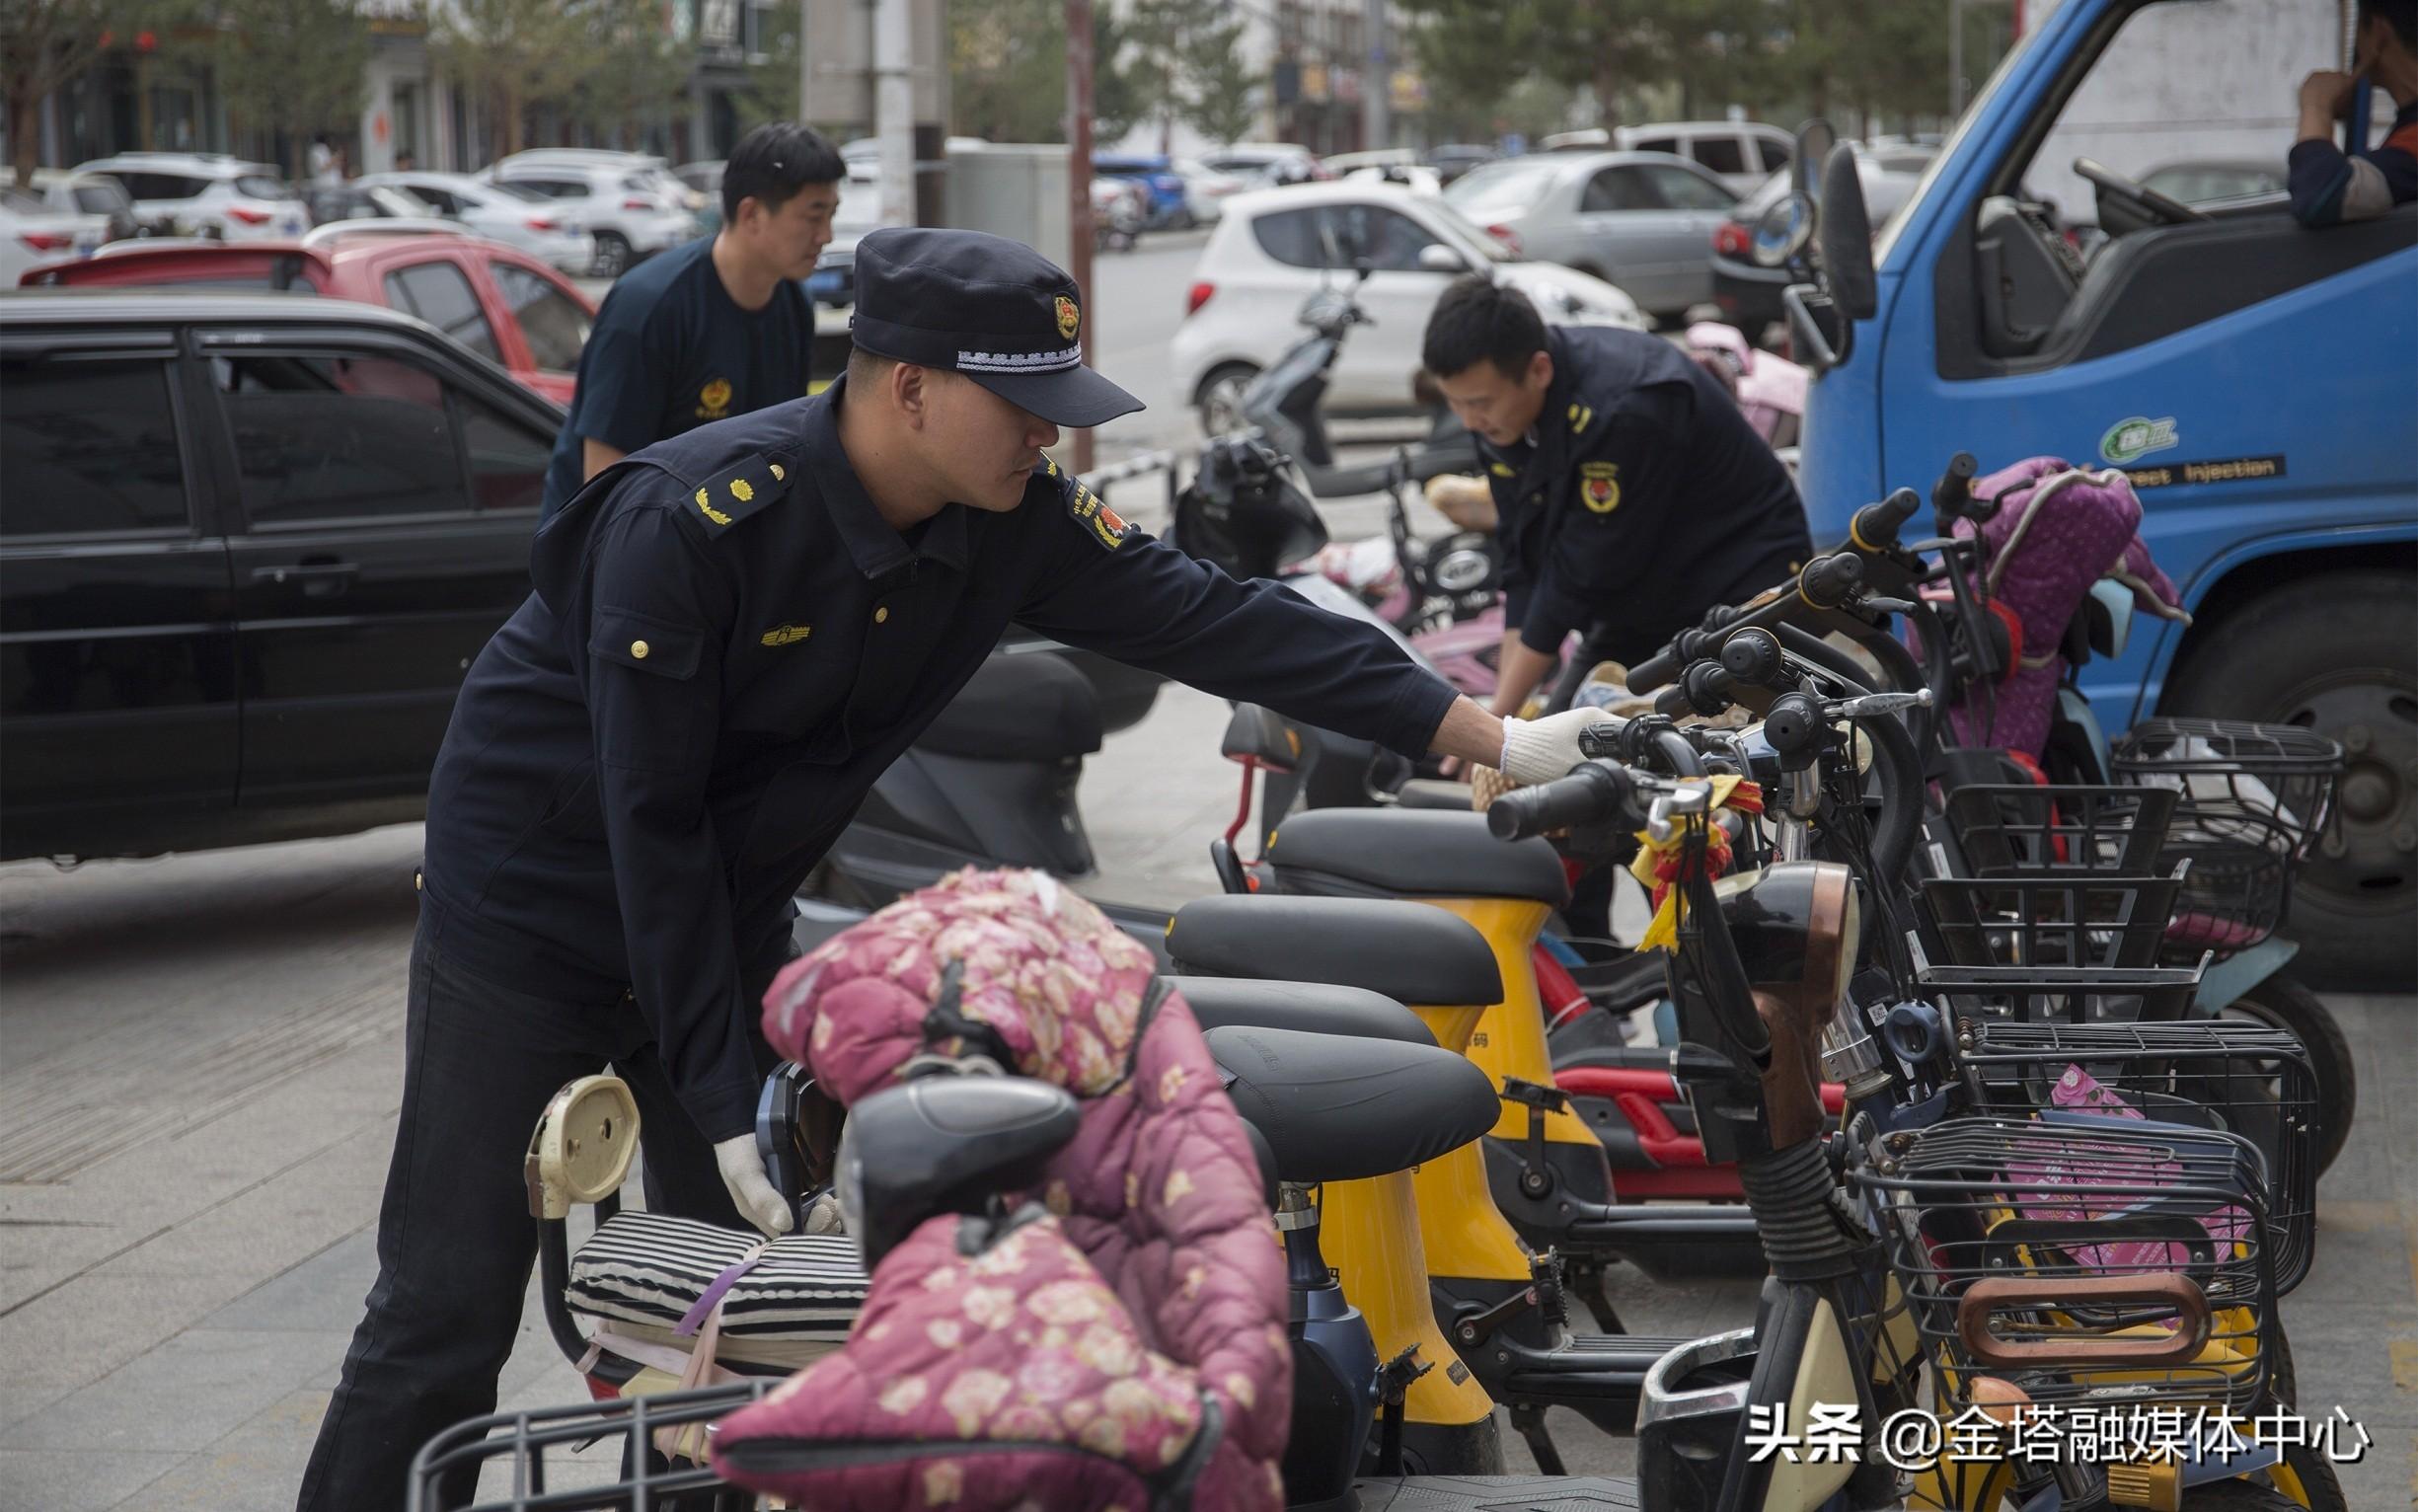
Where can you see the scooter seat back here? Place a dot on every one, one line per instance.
(1028, 706)
(1312, 1008)
(1411, 854)
(1407, 951)
(1335, 1109)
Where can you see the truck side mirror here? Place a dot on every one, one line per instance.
(1845, 238)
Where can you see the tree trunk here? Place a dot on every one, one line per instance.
(24, 125)
(1607, 85)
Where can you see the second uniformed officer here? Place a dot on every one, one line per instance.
(733, 632)
(1631, 495)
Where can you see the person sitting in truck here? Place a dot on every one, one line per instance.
(2328, 184)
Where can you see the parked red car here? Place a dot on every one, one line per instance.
(499, 302)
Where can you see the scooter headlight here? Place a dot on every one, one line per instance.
(1798, 926)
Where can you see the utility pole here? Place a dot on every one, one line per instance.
(1079, 187)
(1377, 87)
(894, 109)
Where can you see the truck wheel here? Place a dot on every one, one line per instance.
(2335, 653)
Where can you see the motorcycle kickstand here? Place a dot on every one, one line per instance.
(1586, 1283)
(1528, 1419)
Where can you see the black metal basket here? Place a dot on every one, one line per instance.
(2245, 1079)
(2058, 994)
(587, 1458)
(2019, 829)
(2237, 871)
(2068, 920)
(2278, 771)
(2093, 1260)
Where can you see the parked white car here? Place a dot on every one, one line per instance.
(74, 194)
(1644, 220)
(31, 233)
(500, 212)
(206, 193)
(1206, 189)
(629, 203)
(1275, 248)
(1741, 152)
(1264, 165)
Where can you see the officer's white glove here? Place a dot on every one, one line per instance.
(1539, 750)
(823, 1215)
(743, 1173)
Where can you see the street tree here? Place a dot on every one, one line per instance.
(290, 66)
(47, 45)
(511, 55)
(1219, 90)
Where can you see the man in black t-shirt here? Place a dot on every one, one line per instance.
(713, 329)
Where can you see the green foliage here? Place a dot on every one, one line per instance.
(291, 66)
(46, 44)
(1221, 93)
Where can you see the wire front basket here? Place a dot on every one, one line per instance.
(2058, 994)
(2020, 829)
(2083, 1257)
(2242, 1077)
(2239, 867)
(589, 1458)
(2280, 773)
(2065, 920)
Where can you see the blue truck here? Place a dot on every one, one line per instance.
(2257, 379)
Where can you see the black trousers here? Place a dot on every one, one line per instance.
(456, 1242)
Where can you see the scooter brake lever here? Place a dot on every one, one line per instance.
(1872, 703)
(1692, 798)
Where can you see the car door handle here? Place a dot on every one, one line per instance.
(319, 579)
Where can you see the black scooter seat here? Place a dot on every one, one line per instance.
(1313, 1007)
(1412, 853)
(1336, 1109)
(1409, 951)
(1028, 706)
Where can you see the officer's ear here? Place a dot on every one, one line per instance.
(910, 388)
(1541, 368)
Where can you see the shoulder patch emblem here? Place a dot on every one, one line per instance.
(1102, 523)
(729, 497)
(1599, 485)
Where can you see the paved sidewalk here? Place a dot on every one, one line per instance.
(199, 1070)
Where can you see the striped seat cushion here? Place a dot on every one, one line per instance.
(650, 1268)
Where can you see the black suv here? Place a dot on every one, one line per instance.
(249, 546)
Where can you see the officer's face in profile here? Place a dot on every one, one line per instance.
(981, 446)
(785, 240)
(1499, 405)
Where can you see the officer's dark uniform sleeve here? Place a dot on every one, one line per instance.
(1148, 604)
(1623, 479)
(642, 627)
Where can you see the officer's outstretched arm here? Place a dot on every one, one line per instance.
(645, 619)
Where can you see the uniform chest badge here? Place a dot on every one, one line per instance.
(1599, 485)
(787, 635)
(714, 400)
(1070, 319)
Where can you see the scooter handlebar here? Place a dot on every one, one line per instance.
(1594, 791)
(1875, 526)
(1826, 582)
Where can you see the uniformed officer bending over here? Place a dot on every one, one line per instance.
(713, 329)
(733, 632)
(1631, 493)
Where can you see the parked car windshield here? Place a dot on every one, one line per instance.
(1469, 231)
(1482, 191)
(515, 191)
(262, 187)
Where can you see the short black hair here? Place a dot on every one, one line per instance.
(867, 369)
(1477, 320)
(775, 160)
(2400, 15)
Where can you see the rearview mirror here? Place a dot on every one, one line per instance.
(1814, 141)
(1437, 258)
(1784, 232)
(1845, 236)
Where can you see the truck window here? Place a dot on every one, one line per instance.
(332, 436)
(2182, 80)
(88, 446)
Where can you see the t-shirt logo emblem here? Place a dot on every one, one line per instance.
(1070, 319)
(1599, 485)
(714, 400)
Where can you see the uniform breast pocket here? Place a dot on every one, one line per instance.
(650, 700)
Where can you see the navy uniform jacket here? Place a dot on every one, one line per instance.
(727, 645)
(1641, 499)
